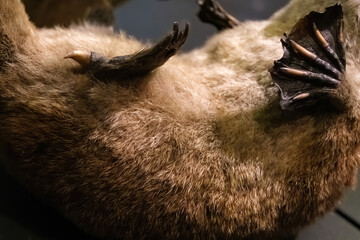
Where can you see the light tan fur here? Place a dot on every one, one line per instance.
(199, 150)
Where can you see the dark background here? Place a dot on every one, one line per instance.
(151, 19)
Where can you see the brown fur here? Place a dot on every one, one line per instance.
(198, 149)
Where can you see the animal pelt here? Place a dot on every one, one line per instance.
(199, 148)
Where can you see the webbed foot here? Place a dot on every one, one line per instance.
(313, 64)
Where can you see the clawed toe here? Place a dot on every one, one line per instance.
(178, 38)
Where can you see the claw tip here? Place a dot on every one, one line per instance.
(301, 96)
(81, 57)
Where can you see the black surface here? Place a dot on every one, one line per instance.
(22, 216)
(152, 19)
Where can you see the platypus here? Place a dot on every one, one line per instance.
(252, 136)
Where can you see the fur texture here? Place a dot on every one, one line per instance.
(197, 149)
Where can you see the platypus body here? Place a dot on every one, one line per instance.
(131, 141)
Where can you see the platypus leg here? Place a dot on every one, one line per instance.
(313, 64)
(212, 12)
(137, 64)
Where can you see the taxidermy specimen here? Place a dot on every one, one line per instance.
(129, 141)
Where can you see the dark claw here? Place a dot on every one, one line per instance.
(175, 32)
(212, 12)
(185, 33)
(323, 42)
(315, 59)
(178, 38)
(310, 76)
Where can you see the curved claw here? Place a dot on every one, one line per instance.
(324, 43)
(315, 59)
(175, 31)
(178, 38)
(310, 76)
(81, 57)
(185, 33)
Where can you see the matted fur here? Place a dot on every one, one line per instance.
(197, 149)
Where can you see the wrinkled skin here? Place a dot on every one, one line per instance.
(196, 149)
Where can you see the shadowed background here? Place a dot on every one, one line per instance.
(151, 19)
